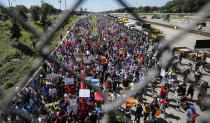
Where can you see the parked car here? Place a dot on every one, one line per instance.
(201, 23)
(185, 21)
(143, 17)
(138, 23)
(130, 25)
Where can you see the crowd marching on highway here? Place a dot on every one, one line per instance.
(114, 60)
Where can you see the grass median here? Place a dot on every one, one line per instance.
(13, 62)
(93, 21)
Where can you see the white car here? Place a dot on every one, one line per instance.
(185, 21)
(130, 25)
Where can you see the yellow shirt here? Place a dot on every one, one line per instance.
(147, 108)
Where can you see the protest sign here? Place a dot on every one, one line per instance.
(78, 59)
(69, 81)
(51, 76)
(73, 102)
(84, 92)
(163, 72)
(158, 112)
(51, 104)
(82, 84)
(95, 82)
(89, 78)
(98, 96)
(130, 102)
(133, 42)
(83, 75)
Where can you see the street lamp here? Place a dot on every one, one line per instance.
(9, 2)
(60, 3)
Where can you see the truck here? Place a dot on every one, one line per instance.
(125, 21)
(120, 20)
(154, 33)
(162, 16)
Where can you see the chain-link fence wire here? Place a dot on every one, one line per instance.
(45, 55)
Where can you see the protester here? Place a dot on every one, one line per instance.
(191, 114)
(114, 59)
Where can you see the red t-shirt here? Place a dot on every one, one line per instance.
(165, 103)
(163, 91)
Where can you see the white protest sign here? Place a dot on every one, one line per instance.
(69, 81)
(84, 92)
(89, 78)
(163, 72)
(51, 76)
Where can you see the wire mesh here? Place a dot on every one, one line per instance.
(44, 54)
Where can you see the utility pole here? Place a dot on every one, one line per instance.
(136, 3)
(60, 3)
(65, 4)
(42, 1)
(9, 3)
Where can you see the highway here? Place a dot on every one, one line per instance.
(188, 40)
(173, 22)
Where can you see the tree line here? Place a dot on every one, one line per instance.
(39, 15)
(174, 6)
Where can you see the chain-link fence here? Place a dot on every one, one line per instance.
(44, 54)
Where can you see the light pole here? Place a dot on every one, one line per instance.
(9, 3)
(42, 1)
(60, 3)
(65, 4)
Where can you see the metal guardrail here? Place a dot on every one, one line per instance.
(45, 55)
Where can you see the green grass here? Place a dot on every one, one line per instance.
(93, 21)
(13, 62)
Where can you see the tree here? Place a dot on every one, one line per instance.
(35, 13)
(15, 31)
(21, 10)
(43, 22)
(146, 9)
(153, 8)
(48, 9)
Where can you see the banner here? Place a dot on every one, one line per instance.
(84, 92)
(95, 82)
(98, 96)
